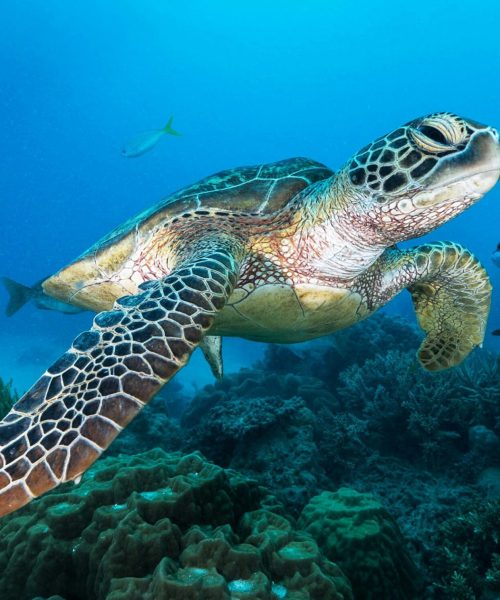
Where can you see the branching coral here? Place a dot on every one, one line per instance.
(479, 379)
(467, 561)
(410, 412)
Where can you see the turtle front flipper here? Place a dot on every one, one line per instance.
(451, 293)
(76, 409)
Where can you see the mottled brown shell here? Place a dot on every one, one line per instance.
(261, 189)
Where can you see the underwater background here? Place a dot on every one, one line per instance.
(248, 83)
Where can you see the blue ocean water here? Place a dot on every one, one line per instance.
(247, 82)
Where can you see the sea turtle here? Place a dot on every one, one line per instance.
(282, 252)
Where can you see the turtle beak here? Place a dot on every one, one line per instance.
(485, 159)
(478, 164)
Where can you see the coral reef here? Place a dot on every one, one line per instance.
(467, 547)
(162, 525)
(407, 412)
(353, 409)
(328, 356)
(417, 498)
(384, 405)
(238, 423)
(359, 411)
(422, 416)
(358, 533)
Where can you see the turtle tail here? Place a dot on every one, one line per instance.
(19, 294)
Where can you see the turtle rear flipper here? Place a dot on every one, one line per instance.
(76, 409)
(211, 346)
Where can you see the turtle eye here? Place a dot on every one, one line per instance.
(430, 139)
(439, 133)
(433, 134)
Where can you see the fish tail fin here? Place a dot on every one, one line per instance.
(19, 294)
(169, 129)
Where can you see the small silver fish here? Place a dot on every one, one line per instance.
(147, 140)
(20, 294)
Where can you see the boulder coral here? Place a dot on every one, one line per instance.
(161, 525)
(358, 533)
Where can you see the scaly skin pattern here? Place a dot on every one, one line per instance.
(445, 281)
(316, 254)
(74, 411)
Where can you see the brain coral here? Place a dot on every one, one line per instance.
(161, 526)
(356, 531)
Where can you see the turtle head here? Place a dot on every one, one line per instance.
(421, 175)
